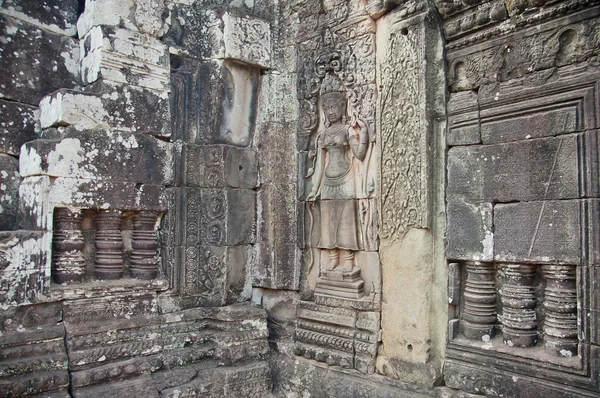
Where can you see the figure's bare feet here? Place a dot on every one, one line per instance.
(334, 259)
(331, 266)
(348, 265)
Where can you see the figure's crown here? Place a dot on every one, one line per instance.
(332, 84)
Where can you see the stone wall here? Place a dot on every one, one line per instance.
(327, 198)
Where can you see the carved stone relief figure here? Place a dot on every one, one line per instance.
(339, 146)
(339, 182)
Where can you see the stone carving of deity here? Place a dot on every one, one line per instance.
(336, 182)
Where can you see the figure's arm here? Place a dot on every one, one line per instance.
(315, 173)
(358, 136)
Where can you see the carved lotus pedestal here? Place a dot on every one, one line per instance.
(347, 285)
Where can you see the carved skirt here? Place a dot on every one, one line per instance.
(339, 226)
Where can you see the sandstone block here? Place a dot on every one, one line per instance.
(9, 193)
(59, 16)
(24, 266)
(247, 39)
(207, 34)
(469, 231)
(528, 170)
(546, 232)
(216, 166)
(18, 124)
(228, 216)
(100, 155)
(106, 12)
(124, 56)
(49, 66)
(215, 102)
(277, 266)
(38, 197)
(197, 30)
(121, 107)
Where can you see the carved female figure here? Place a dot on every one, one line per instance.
(340, 145)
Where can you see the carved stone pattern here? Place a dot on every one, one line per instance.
(560, 302)
(191, 266)
(144, 258)
(518, 305)
(479, 317)
(68, 263)
(523, 21)
(402, 203)
(109, 245)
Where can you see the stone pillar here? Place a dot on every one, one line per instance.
(68, 264)
(144, 259)
(109, 245)
(560, 302)
(518, 301)
(479, 317)
(410, 123)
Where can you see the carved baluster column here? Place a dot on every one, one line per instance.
(109, 245)
(518, 305)
(68, 262)
(560, 302)
(144, 259)
(479, 317)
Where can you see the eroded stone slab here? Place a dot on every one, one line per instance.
(54, 15)
(470, 231)
(124, 56)
(121, 107)
(100, 155)
(49, 66)
(544, 232)
(9, 193)
(19, 123)
(527, 170)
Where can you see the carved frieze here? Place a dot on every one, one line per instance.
(337, 336)
(402, 139)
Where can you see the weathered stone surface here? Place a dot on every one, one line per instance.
(217, 166)
(124, 56)
(96, 14)
(214, 102)
(19, 123)
(9, 193)
(463, 120)
(277, 251)
(531, 170)
(120, 107)
(100, 155)
(247, 40)
(212, 34)
(21, 45)
(30, 316)
(298, 377)
(197, 30)
(469, 232)
(545, 232)
(54, 15)
(39, 195)
(478, 380)
(150, 17)
(24, 267)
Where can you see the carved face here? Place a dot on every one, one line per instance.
(333, 106)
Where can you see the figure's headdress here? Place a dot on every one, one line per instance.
(332, 84)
